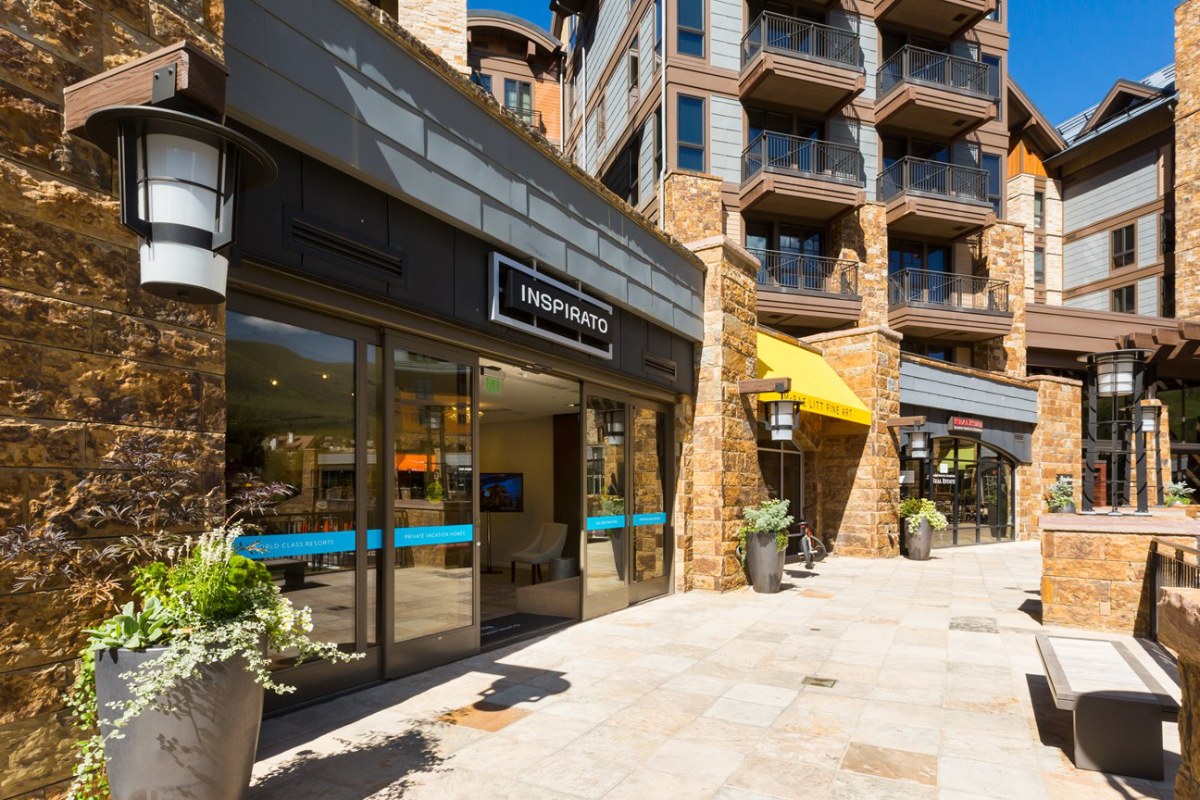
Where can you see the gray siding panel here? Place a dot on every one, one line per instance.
(725, 39)
(843, 130)
(616, 106)
(1147, 296)
(1147, 240)
(868, 44)
(1126, 186)
(646, 161)
(610, 21)
(726, 140)
(646, 52)
(1096, 301)
(968, 395)
(1086, 260)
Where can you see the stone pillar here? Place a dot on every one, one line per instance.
(1158, 465)
(1003, 253)
(685, 417)
(724, 471)
(1056, 448)
(440, 25)
(861, 235)
(89, 357)
(859, 467)
(1179, 629)
(692, 208)
(1187, 160)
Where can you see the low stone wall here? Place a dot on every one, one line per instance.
(1179, 629)
(1094, 568)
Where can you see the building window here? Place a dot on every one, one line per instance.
(480, 79)
(1124, 300)
(658, 157)
(633, 71)
(1124, 246)
(658, 23)
(994, 14)
(1039, 266)
(995, 179)
(994, 82)
(1039, 209)
(691, 133)
(518, 95)
(691, 28)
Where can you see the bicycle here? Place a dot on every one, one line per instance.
(812, 548)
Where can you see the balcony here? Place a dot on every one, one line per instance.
(530, 117)
(797, 177)
(931, 198)
(941, 305)
(803, 291)
(934, 94)
(800, 64)
(948, 19)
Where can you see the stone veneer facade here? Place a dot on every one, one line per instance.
(88, 356)
(861, 235)
(1055, 448)
(1179, 629)
(1019, 209)
(1187, 160)
(692, 208)
(1003, 248)
(441, 25)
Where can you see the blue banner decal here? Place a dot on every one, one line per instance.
(605, 523)
(434, 534)
(659, 518)
(278, 545)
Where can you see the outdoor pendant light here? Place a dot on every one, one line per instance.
(614, 427)
(1148, 419)
(781, 419)
(918, 444)
(182, 179)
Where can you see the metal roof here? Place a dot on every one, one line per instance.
(483, 13)
(1162, 80)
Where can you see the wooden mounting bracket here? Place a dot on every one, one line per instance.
(761, 385)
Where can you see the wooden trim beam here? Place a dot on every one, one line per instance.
(906, 422)
(762, 385)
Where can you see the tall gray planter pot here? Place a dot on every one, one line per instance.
(920, 540)
(764, 562)
(203, 752)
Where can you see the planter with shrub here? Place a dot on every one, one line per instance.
(764, 540)
(1060, 497)
(921, 519)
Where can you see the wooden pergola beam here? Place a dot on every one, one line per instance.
(906, 422)
(761, 385)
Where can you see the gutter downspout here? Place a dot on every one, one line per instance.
(662, 105)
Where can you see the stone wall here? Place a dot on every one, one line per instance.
(1187, 160)
(441, 25)
(1003, 248)
(861, 235)
(1094, 568)
(88, 356)
(692, 206)
(1179, 629)
(1056, 449)
(858, 495)
(1019, 208)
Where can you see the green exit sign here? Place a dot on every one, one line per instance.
(493, 385)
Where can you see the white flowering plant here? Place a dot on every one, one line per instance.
(209, 604)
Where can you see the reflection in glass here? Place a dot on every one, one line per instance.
(944, 483)
(433, 503)
(605, 426)
(290, 396)
(649, 484)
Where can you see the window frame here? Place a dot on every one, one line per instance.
(691, 145)
(483, 80)
(1039, 280)
(1127, 255)
(681, 30)
(1131, 290)
(1039, 215)
(518, 83)
(996, 200)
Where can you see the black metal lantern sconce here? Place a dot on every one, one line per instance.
(613, 423)
(782, 419)
(1117, 376)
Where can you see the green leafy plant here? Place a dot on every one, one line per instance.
(1060, 494)
(611, 504)
(1178, 493)
(130, 629)
(771, 516)
(914, 510)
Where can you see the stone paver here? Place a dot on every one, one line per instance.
(939, 695)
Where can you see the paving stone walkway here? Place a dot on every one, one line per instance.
(937, 692)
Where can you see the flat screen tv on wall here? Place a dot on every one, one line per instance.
(502, 491)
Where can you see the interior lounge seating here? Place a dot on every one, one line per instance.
(549, 544)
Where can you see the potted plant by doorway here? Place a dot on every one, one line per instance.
(1061, 497)
(1178, 493)
(922, 518)
(764, 539)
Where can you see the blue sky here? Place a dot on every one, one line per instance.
(1094, 42)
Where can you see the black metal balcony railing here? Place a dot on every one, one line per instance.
(965, 292)
(935, 178)
(530, 117)
(918, 65)
(798, 37)
(805, 273)
(781, 152)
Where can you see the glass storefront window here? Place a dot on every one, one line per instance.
(605, 426)
(649, 493)
(290, 395)
(433, 501)
(971, 484)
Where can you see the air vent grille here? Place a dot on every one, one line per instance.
(657, 365)
(309, 235)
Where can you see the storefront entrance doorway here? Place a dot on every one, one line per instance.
(969, 482)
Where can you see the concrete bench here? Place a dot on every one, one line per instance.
(1118, 706)
(292, 569)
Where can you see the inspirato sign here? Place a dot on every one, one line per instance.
(535, 303)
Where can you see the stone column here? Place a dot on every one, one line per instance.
(861, 235)
(692, 208)
(1158, 469)
(1187, 160)
(859, 467)
(1056, 449)
(725, 476)
(1179, 629)
(1003, 253)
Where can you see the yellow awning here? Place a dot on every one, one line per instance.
(815, 386)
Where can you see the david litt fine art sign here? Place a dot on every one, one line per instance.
(537, 304)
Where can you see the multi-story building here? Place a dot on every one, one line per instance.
(521, 65)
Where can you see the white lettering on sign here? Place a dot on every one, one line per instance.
(559, 308)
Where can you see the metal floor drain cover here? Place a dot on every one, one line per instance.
(825, 683)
